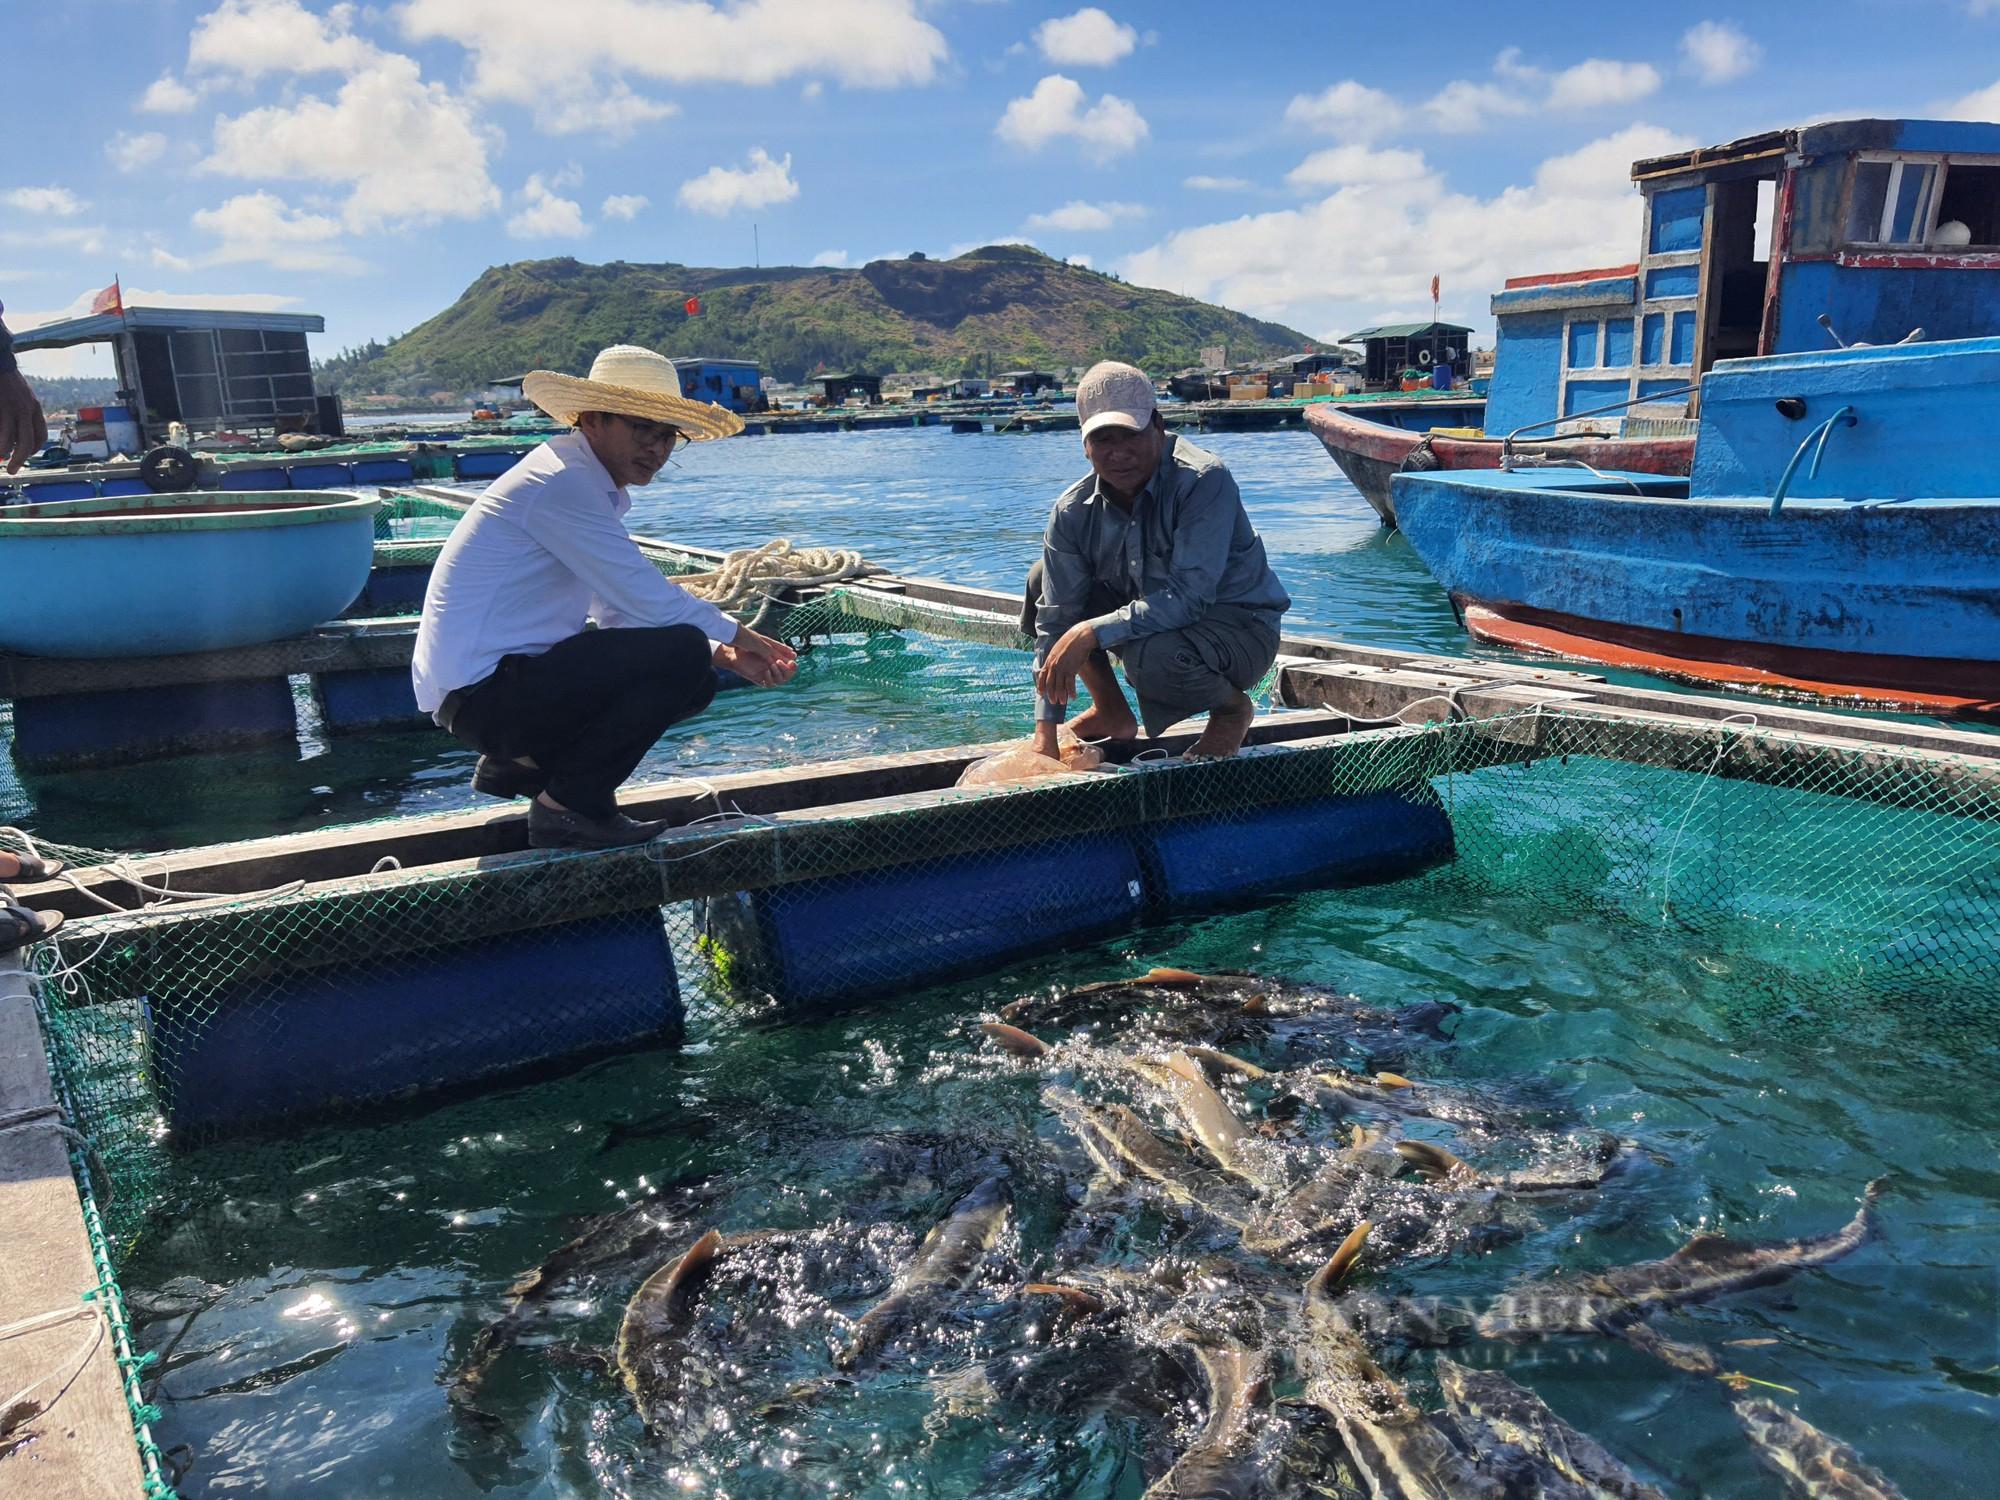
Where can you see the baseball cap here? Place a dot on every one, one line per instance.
(1114, 395)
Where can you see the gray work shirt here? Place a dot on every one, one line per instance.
(1185, 546)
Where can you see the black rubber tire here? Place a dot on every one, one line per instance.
(168, 470)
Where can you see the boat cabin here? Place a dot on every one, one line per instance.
(1027, 382)
(1851, 232)
(1394, 348)
(733, 383)
(211, 369)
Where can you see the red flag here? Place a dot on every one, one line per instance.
(1434, 289)
(110, 300)
(694, 307)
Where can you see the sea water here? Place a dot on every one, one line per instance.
(312, 1296)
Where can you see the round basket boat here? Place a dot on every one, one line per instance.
(153, 575)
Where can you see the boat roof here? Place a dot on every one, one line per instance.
(1404, 331)
(100, 328)
(688, 360)
(1827, 138)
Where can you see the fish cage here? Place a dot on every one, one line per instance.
(363, 972)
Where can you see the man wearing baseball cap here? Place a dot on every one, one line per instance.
(1151, 558)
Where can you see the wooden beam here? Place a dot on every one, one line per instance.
(81, 1447)
(480, 833)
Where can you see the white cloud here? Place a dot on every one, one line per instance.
(1598, 81)
(835, 259)
(261, 228)
(723, 190)
(545, 214)
(1341, 166)
(167, 95)
(1201, 182)
(1078, 260)
(132, 153)
(1509, 65)
(1350, 109)
(1109, 128)
(555, 58)
(614, 113)
(407, 150)
(1716, 52)
(625, 206)
(1580, 209)
(251, 38)
(1462, 107)
(1080, 217)
(1087, 39)
(54, 202)
(1983, 105)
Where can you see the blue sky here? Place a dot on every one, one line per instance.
(1312, 163)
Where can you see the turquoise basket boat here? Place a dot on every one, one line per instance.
(154, 575)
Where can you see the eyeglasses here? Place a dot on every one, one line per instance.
(651, 434)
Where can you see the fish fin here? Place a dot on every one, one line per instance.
(1702, 1247)
(1434, 1162)
(1394, 1081)
(1173, 978)
(1330, 1275)
(1075, 1298)
(1257, 1005)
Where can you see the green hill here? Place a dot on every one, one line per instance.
(1000, 307)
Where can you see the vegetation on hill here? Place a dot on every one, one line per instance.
(59, 393)
(997, 308)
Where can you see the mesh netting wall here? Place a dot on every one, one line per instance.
(1828, 871)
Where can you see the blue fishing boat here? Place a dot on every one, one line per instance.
(1780, 243)
(154, 575)
(1836, 536)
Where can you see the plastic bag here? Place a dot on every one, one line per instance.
(1025, 762)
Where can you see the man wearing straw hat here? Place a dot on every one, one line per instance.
(1150, 558)
(504, 659)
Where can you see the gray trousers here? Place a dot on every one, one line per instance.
(1177, 673)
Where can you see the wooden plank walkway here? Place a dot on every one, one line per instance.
(80, 1447)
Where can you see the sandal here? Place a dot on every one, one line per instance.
(28, 868)
(20, 926)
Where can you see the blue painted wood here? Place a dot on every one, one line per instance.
(378, 698)
(321, 476)
(309, 1044)
(131, 486)
(58, 489)
(134, 724)
(392, 591)
(383, 471)
(240, 479)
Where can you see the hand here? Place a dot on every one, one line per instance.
(1056, 681)
(23, 428)
(757, 658)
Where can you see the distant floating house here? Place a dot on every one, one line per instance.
(1027, 382)
(1391, 349)
(840, 388)
(211, 369)
(733, 383)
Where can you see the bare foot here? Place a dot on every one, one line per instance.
(1095, 723)
(1227, 726)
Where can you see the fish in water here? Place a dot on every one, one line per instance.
(1517, 1418)
(1707, 1266)
(1814, 1466)
(1397, 1451)
(1222, 1463)
(1013, 1039)
(1123, 1145)
(944, 1262)
(1221, 1134)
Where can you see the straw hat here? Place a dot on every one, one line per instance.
(631, 382)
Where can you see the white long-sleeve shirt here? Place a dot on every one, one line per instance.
(544, 550)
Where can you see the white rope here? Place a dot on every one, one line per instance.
(130, 874)
(750, 572)
(63, 1374)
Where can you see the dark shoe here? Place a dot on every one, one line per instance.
(508, 778)
(20, 926)
(28, 868)
(549, 829)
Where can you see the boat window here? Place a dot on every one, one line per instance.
(1970, 196)
(1891, 202)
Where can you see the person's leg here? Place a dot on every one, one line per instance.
(1204, 668)
(587, 710)
(1109, 716)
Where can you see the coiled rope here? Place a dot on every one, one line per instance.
(753, 572)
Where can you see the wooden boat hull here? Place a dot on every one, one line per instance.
(1372, 453)
(164, 574)
(1892, 605)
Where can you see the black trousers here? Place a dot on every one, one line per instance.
(589, 708)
